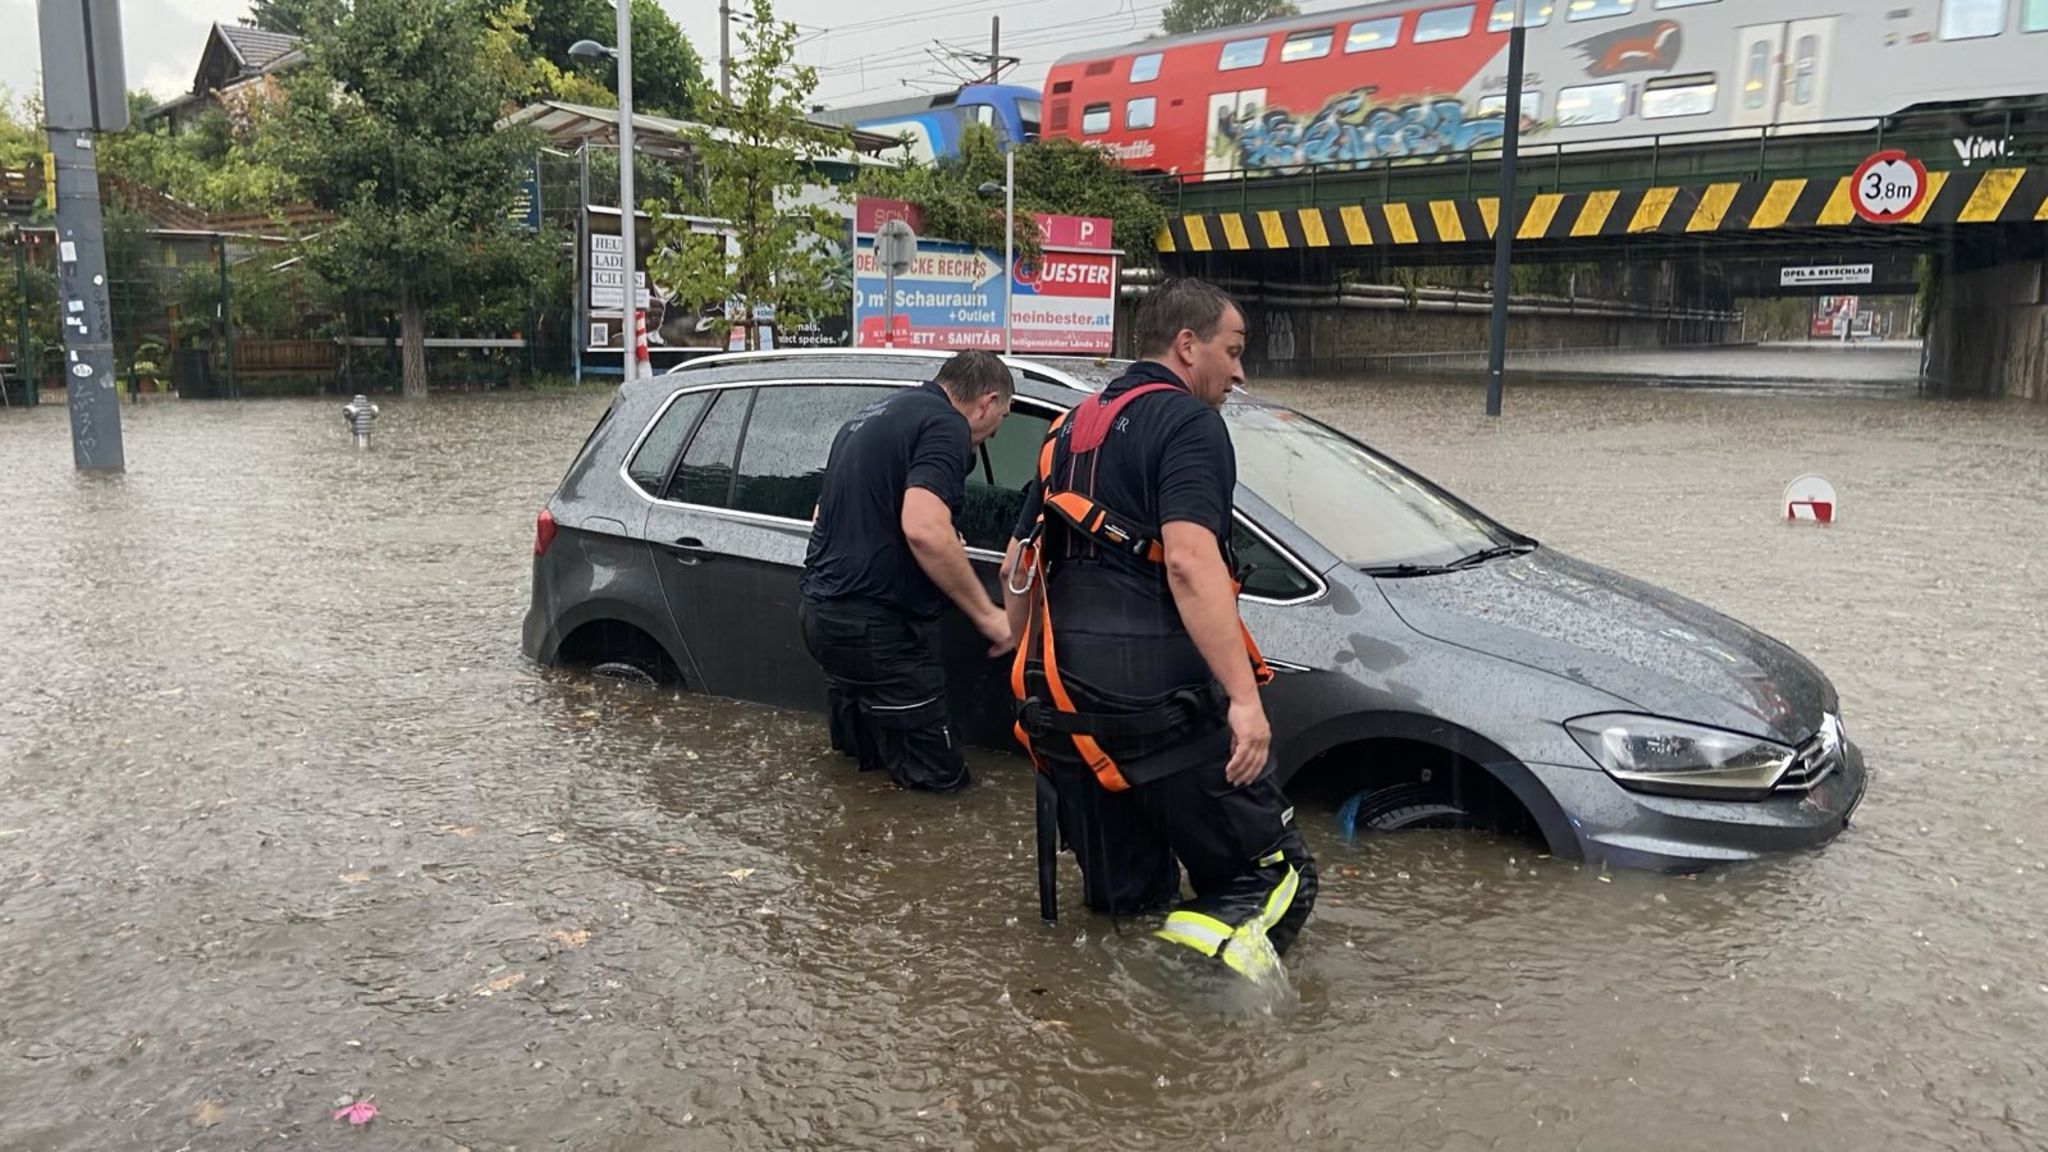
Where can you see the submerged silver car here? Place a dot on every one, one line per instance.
(1435, 668)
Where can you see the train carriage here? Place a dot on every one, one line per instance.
(1417, 79)
(931, 126)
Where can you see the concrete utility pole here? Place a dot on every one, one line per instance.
(725, 48)
(1505, 220)
(995, 59)
(84, 93)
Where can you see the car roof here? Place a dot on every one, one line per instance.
(1059, 379)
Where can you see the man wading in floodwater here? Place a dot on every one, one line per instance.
(884, 558)
(1145, 710)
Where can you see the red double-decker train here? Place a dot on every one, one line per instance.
(1417, 79)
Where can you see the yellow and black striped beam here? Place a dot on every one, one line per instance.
(1994, 195)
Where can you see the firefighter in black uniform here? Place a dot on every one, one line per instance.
(1145, 709)
(883, 560)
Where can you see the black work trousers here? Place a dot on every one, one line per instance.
(1245, 859)
(885, 691)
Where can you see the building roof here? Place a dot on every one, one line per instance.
(257, 48)
(235, 52)
(565, 124)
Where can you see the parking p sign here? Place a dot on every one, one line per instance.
(1888, 186)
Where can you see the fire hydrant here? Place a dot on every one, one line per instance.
(357, 415)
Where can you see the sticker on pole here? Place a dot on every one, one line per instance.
(1888, 186)
(1812, 499)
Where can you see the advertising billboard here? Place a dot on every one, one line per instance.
(676, 325)
(955, 296)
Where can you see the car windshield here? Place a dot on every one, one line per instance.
(1366, 509)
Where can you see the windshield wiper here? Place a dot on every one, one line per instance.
(1397, 570)
(1494, 553)
(1461, 563)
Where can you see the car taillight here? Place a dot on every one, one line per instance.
(543, 532)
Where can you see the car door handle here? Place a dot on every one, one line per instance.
(690, 550)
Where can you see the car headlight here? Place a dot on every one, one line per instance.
(1651, 754)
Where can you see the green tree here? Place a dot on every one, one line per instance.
(392, 126)
(753, 171)
(1183, 16)
(207, 166)
(1053, 176)
(21, 134)
(294, 17)
(666, 68)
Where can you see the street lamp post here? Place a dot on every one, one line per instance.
(1009, 190)
(1504, 218)
(591, 50)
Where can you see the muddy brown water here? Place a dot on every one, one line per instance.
(285, 817)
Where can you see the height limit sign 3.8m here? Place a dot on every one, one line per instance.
(1888, 187)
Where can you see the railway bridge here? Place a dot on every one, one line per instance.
(1732, 209)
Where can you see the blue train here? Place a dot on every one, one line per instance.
(932, 124)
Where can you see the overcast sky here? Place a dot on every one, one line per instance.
(864, 52)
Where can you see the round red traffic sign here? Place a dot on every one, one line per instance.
(1888, 186)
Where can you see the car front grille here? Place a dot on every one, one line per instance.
(1816, 760)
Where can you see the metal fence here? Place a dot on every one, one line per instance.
(219, 315)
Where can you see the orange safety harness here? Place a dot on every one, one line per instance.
(1043, 702)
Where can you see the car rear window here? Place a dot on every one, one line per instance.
(706, 474)
(656, 456)
(782, 461)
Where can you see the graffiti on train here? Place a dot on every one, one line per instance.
(1349, 131)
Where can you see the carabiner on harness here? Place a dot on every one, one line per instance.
(1027, 561)
(1029, 570)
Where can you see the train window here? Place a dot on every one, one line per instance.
(1141, 112)
(1443, 24)
(1497, 104)
(1242, 54)
(1373, 35)
(1535, 14)
(1145, 67)
(1971, 19)
(1592, 104)
(1756, 76)
(1805, 65)
(1094, 119)
(1027, 118)
(1669, 96)
(2034, 17)
(1598, 9)
(1311, 45)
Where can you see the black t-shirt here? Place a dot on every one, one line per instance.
(913, 438)
(1168, 457)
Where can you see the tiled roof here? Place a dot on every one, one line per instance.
(257, 48)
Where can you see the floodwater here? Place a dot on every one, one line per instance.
(286, 818)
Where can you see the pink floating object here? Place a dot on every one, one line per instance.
(358, 1113)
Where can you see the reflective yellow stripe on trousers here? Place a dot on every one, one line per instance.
(1205, 934)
